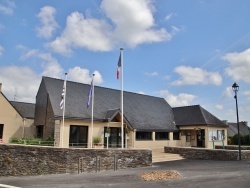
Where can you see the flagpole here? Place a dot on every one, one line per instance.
(122, 132)
(64, 85)
(92, 112)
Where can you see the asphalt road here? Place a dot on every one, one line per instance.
(195, 173)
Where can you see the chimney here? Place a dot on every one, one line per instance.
(0, 87)
(225, 121)
(246, 123)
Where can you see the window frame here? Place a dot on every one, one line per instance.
(144, 135)
(160, 135)
(188, 135)
(174, 135)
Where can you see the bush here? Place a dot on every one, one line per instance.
(96, 140)
(14, 140)
(33, 141)
(244, 139)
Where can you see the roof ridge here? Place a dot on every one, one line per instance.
(104, 87)
(203, 115)
(22, 102)
(187, 106)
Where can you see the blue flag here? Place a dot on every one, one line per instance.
(90, 93)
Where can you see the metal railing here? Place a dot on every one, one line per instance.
(97, 163)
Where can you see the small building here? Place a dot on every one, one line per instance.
(199, 128)
(149, 122)
(16, 119)
(233, 128)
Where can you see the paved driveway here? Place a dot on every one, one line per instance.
(195, 173)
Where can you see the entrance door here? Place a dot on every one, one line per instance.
(114, 138)
(78, 136)
(39, 131)
(200, 135)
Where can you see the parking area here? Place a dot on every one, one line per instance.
(194, 173)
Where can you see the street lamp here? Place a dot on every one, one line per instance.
(235, 88)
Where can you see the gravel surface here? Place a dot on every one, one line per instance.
(159, 175)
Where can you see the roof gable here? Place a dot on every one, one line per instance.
(143, 112)
(5, 99)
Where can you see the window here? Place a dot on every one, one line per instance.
(188, 136)
(176, 135)
(1, 131)
(78, 136)
(143, 135)
(161, 135)
(216, 135)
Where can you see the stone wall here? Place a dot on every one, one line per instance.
(16, 160)
(233, 147)
(208, 154)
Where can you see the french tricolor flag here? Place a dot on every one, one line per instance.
(118, 67)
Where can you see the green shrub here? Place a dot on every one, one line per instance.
(14, 140)
(244, 139)
(96, 140)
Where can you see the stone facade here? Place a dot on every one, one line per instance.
(49, 122)
(16, 160)
(208, 154)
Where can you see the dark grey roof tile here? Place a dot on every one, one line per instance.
(27, 110)
(143, 112)
(195, 115)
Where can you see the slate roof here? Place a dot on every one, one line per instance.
(142, 112)
(233, 128)
(27, 110)
(195, 115)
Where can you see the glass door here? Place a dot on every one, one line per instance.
(112, 137)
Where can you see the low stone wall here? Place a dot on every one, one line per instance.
(233, 147)
(207, 154)
(18, 160)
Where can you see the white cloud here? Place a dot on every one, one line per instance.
(247, 94)
(6, 7)
(239, 65)
(174, 30)
(50, 65)
(1, 50)
(130, 23)
(141, 92)
(78, 74)
(152, 73)
(24, 82)
(20, 83)
(182, 99)
(48, 24)
(83, 32)
(193, 76)
(227, 93)
(218, 106)
(169, 16)
(134, 22)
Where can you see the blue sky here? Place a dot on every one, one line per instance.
(188, 52)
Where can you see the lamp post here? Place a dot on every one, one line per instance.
(235, 88)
